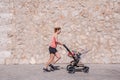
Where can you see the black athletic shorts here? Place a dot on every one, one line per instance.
(52, 50)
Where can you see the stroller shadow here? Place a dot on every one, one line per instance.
(82, 69)
(57, 67)
(78, 70)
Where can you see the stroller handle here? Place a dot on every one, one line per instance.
(66, 48)
(69, 51)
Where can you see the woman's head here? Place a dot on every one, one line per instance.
(57, 30)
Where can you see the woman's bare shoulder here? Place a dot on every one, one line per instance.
(54, 35)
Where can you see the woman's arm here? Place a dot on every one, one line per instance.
(56, 36)
(59, 43)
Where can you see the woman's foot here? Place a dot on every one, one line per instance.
(46, 70)
(52, 67)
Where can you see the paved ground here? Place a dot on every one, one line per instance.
(34, 72)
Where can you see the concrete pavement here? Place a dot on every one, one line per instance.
(35, 72)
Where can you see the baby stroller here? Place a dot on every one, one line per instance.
(73, 66)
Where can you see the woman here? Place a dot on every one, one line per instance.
(53, 50)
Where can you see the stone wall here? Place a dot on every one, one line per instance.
(26, 27)
(5, 27)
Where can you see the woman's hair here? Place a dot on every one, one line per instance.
(57, 29)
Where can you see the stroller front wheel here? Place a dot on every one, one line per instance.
(86, 69)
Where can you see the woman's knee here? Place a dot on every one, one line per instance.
(59, 57)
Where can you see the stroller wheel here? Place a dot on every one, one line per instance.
(86, 69)
(68, 66)
(70, 69)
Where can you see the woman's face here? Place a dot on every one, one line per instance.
(59, 31)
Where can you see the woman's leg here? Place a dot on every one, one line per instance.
(58, 57)
(50, 60)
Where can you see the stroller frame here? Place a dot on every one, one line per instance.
(73, 66)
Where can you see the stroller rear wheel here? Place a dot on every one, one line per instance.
(68, 66)
(70, 69)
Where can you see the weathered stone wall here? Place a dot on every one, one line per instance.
(5, 27)
(26, 27)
